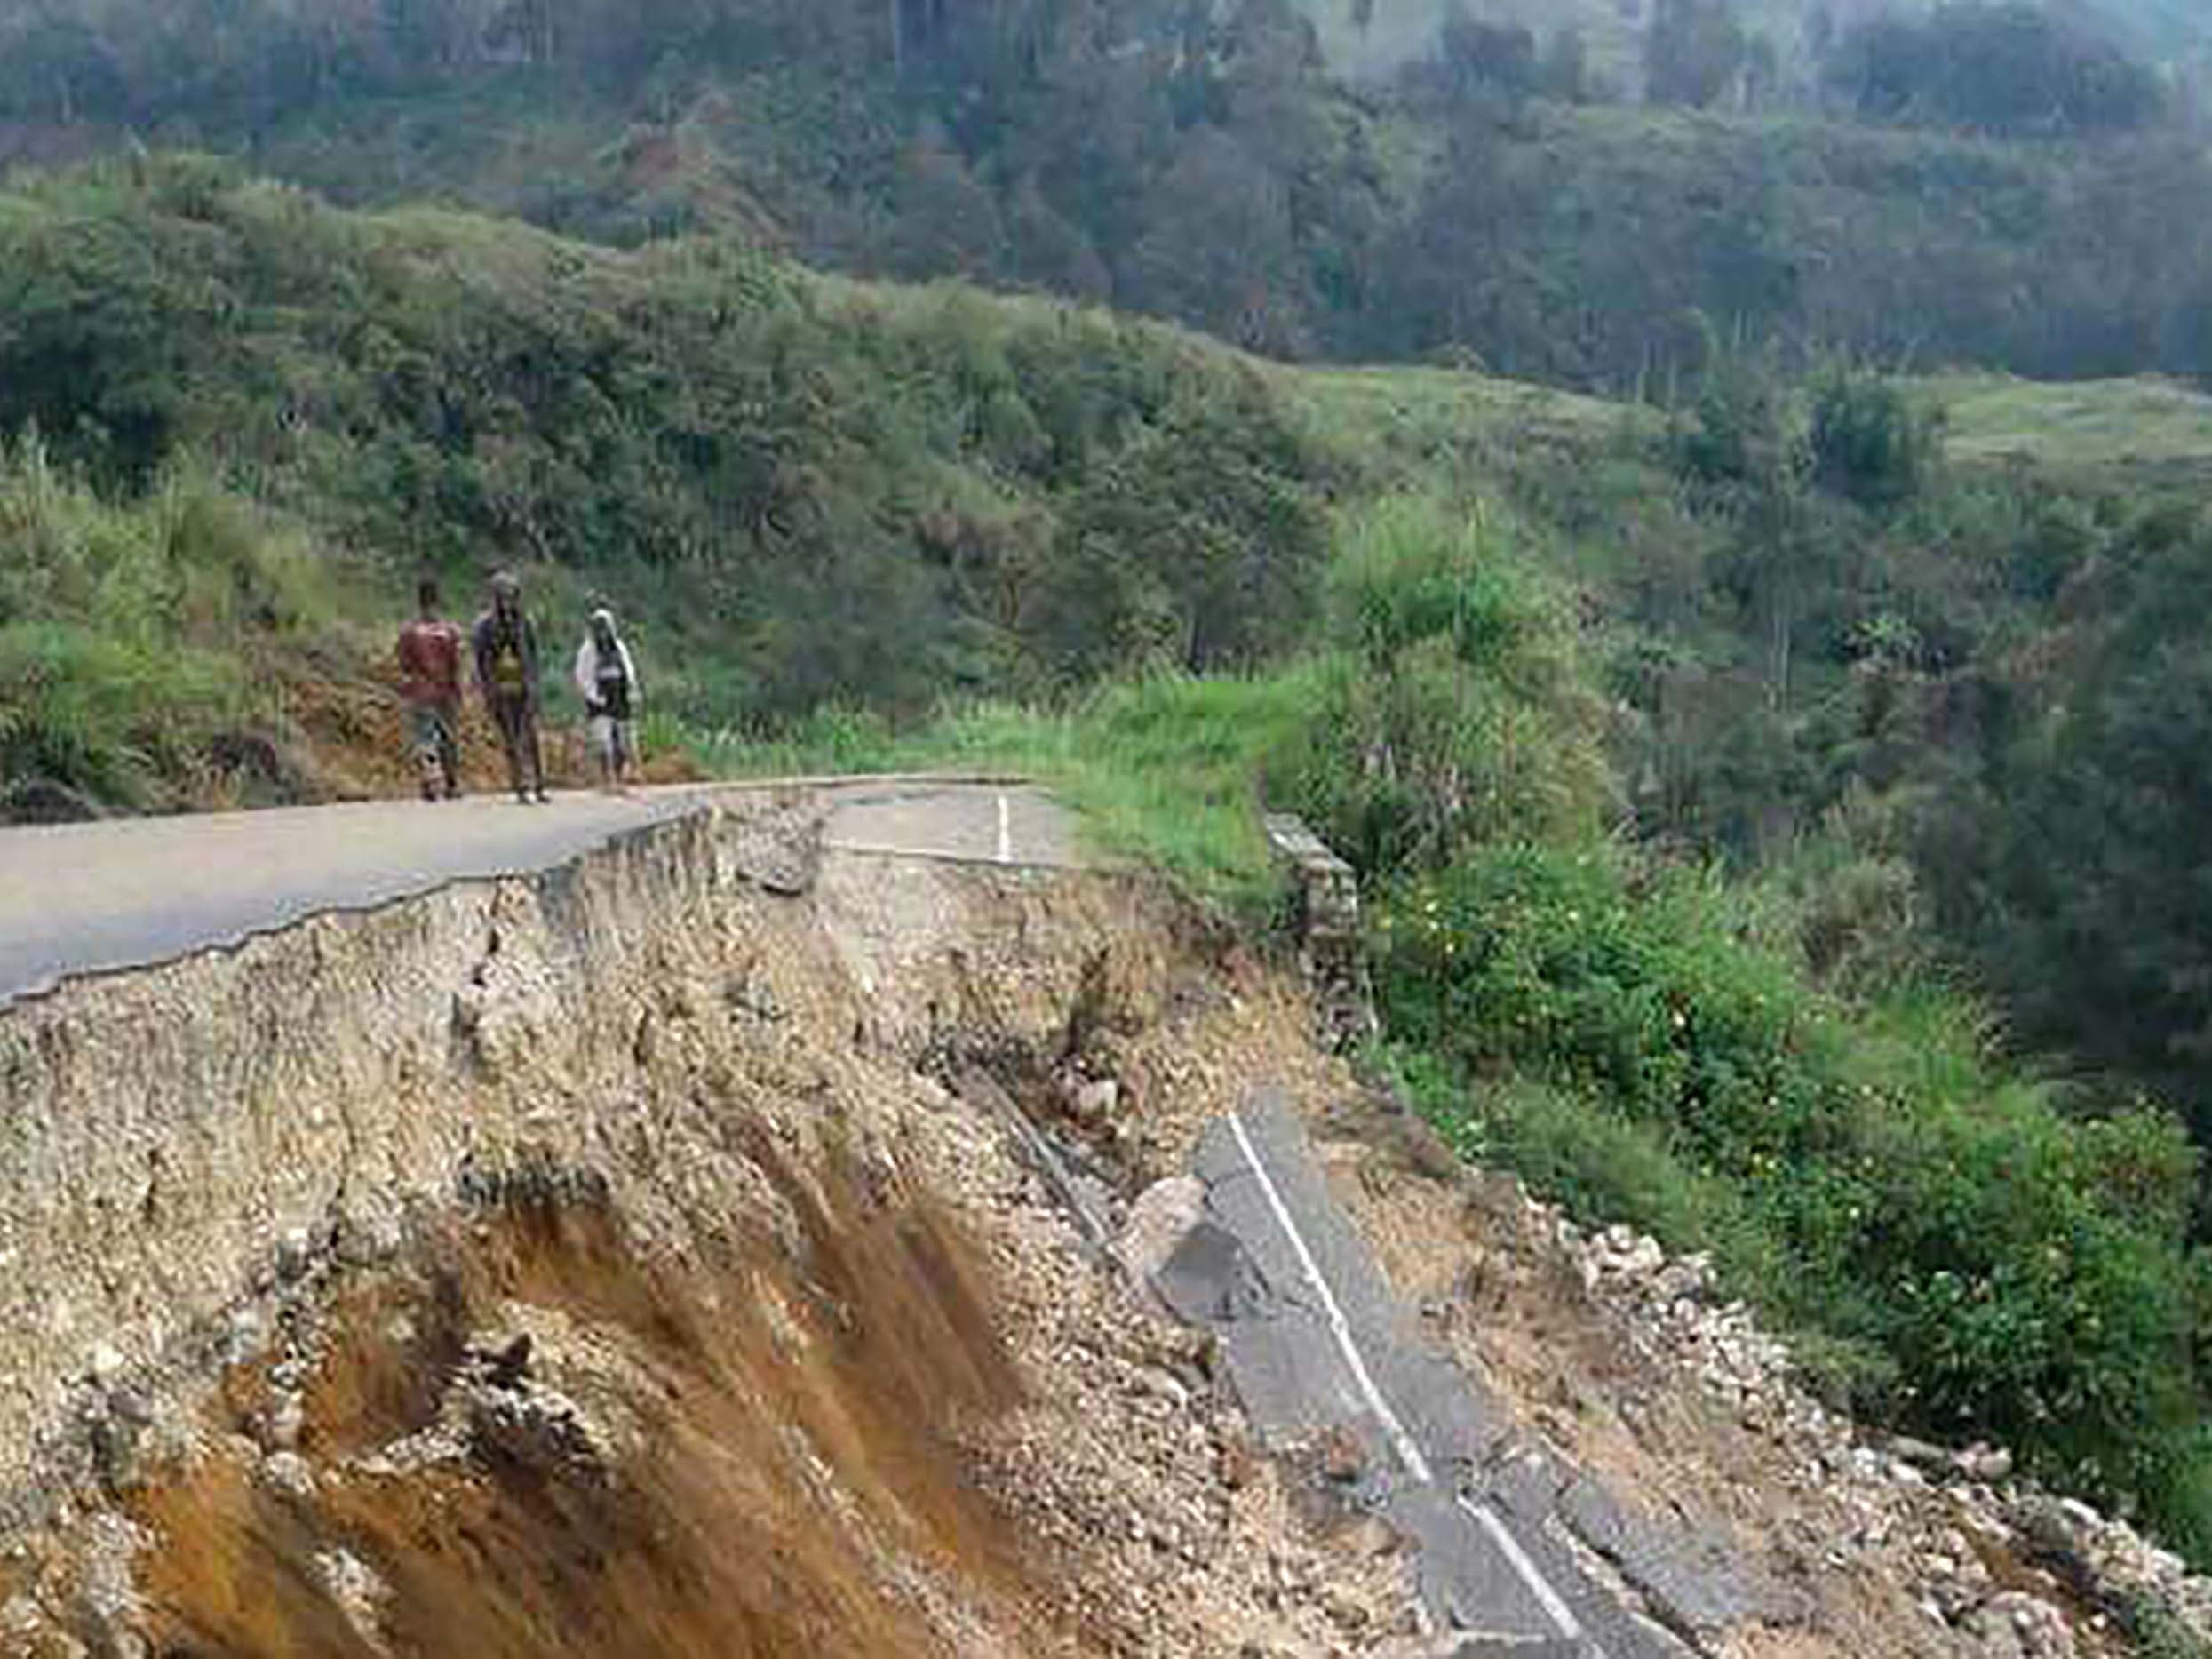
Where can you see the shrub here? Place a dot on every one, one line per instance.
(1867, 442)
(1875, 1178)
(1455, 707)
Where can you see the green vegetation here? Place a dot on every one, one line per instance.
(132, 640)
(2082, 874)
(1978, 1262)
(1981, 184)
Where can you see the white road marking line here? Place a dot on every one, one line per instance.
(1408, 1450)
(1005, 829)
(1517, 1559)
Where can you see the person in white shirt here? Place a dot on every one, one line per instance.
(609, 681)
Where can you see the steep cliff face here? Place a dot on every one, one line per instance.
(597, 1261)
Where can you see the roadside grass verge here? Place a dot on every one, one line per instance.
(1169, 769)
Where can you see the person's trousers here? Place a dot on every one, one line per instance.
(517, 720)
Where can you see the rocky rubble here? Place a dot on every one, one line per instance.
(1986, 1553)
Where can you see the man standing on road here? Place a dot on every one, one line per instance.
(430, 686)
(506, 670)
(609, 681)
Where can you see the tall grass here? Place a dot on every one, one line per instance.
(129, 631)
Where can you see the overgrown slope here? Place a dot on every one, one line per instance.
(800, 489)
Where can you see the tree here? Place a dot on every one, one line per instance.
(1565, 72)
(1866, 442)
(57, 68)
(2010, 68)
(1189, 548)
(1693, 51)
(947, 222)
(1220, 248)
(2097, 918)
(1474, 57)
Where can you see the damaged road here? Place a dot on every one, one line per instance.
(1518, 1554)
(133, 893)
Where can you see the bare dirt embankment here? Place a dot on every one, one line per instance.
(598, 1263)
(635, 1258)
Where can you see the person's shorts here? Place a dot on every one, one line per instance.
(612, 738)
(430, 728)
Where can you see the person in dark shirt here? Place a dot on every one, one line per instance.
(506, 672)
(430, 689)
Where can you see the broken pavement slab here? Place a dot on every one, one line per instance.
(1004, 823)
(1692, 1586)
(1518, 1554)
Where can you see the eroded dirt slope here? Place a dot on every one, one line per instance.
(640, 1259)
(664, 1295)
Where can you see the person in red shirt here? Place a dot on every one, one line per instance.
(430, 685)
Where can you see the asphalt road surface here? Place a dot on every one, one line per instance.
(81, 899)
(1316, 1343)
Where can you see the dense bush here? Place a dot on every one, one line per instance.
(1866, 442)
(2016, 1272)
(1455, 705)
(813, 491)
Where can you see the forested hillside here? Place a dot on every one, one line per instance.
(1984, 184)
(1788, 39)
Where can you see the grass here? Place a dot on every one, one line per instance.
(2123, 427)
(1391, 424)
(1169, 769)
(1166, 770)
(1394, 425)
(140, 643)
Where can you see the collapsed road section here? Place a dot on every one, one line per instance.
(1316, 1345)
(754, 1234)
(589, 1258)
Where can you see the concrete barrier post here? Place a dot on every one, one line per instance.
(1325, 919)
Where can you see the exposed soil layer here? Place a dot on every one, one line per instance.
(601, 1262)
(527, 1440)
